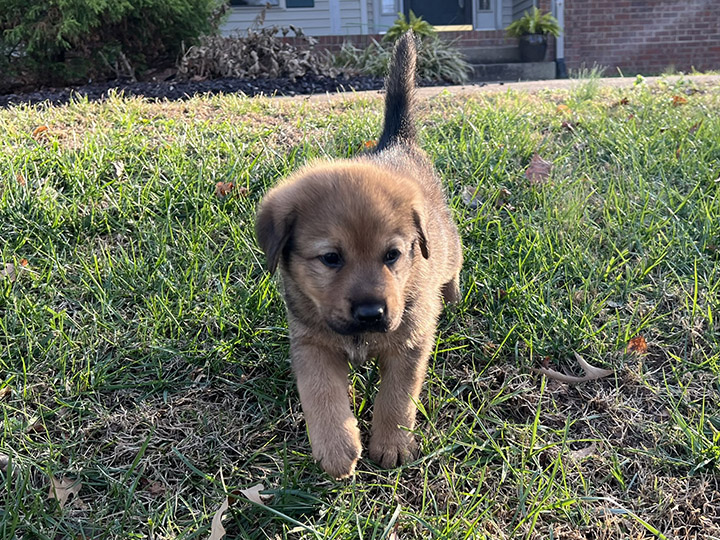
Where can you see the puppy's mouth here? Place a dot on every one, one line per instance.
(354, 328)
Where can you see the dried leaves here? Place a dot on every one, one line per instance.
(40, 131)
(223, 189)
(259, 54)
(637, 345)
(11, 271)
(253, 494)
(217, 531)
(61, 489)
(538, 171)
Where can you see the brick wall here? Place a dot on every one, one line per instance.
(643, 36)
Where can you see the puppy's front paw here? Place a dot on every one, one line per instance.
(392, 449)
(338, 452)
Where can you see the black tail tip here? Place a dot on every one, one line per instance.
(400, 87)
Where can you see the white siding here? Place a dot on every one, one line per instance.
(507, 13)
(350, 19)
(520, 7)
(314, 21)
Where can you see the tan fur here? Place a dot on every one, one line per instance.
(362, 209)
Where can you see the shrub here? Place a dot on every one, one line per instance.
(534, 22)
(420, 28)
(260, 53)
(438, 60)
(65, 40)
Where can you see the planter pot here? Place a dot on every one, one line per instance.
(533, 47)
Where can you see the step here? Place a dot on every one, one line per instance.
(513, 71)
(491, 55)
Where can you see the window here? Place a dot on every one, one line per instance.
(388, 7)
(299, 3)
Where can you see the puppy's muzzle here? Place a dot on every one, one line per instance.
(371, 313)
(370, 316)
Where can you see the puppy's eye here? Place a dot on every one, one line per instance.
(392, 256)
(331, 260)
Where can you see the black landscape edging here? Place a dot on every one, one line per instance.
(181, 90)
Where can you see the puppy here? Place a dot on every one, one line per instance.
(367, 250)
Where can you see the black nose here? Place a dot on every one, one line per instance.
(369, 313)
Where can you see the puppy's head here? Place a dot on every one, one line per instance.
(348, 238)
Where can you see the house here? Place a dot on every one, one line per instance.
(630, 36)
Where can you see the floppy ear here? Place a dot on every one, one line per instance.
(419, 220)
(273, 227)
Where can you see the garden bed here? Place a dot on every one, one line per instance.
(179, 90)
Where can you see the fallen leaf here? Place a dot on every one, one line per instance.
(223, 189)
(62, 488)
(39, 131)
(8, 272)
(678, 153)
(583, 453)
(678, 100)
(538, 171)
(34, 426)
(503, 199)
(562, 108)
(591, 372)
(4, 392)
(470, 197)
(21, 179)
(119, 168)
(693, 129)
(24, 263)
(370, 144)
(253, 494)
(624, 101)
(637, 345)
(217, 531)
(156, 488)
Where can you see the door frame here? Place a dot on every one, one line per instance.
(378, 26)
(497, 16)
(476, 20)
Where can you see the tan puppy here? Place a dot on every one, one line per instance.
(367, 250)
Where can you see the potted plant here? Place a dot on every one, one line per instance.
(532, 30)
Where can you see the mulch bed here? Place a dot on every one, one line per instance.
(180, 90)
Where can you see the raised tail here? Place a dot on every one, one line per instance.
(399, 88)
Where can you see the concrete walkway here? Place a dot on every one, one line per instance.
(526, 86)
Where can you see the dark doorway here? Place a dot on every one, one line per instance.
(441, 12)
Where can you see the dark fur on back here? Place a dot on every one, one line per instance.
(400, 87)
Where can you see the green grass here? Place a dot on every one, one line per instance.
(144, 351)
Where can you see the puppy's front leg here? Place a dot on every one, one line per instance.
(391, 443)
(322, 379)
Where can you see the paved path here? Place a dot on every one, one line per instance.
(527, 86)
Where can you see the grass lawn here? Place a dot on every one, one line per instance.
(144, 350)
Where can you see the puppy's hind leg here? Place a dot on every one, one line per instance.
(322, 380)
